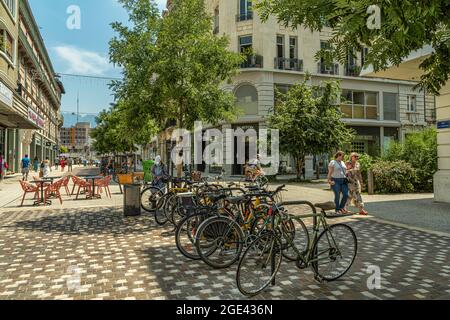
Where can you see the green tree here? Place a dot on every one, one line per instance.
(63, 149)
(174, 67)
(406, 26)
(420, 151)
(309, 121)
(112, 134)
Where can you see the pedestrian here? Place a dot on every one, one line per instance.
(57, 162)
(36, 164)
(3, 167)
(355, 183)
(45, 166)
(25, 167)
(337, 178)
(62, 163)
(159, 172)
(70, 165)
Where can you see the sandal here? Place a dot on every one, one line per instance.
(344, 211)
(363, 213)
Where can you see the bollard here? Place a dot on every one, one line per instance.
(132, 200)
(370, 182)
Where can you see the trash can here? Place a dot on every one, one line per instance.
(132, 200)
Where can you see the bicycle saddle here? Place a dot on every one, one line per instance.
(217, 197)
(235, 200)
(327, 206)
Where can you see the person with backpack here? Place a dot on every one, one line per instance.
(25, 162)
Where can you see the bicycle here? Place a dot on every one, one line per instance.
(261, 261)
(220, 239)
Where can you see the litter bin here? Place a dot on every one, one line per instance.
(132, 200)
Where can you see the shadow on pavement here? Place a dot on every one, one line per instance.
(422, 213)
(82, 221)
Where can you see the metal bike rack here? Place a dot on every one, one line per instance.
(294, 203)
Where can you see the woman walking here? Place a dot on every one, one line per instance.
(36, 164)
(355, 182)
(45, 167)
(62, 163)
(337, 178)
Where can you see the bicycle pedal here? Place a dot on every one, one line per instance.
(319, 279)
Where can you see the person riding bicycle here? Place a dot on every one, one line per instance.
(159, 172)
(254, 168)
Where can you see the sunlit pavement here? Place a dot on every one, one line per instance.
(96, 253)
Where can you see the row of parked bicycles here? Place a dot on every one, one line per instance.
(224, 224)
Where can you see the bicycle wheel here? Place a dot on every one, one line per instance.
(219, 242)
(150, 199)
(185, 235)
(295, 234)
(262, 181)
(259, 264)
(334, 252)
(160, 215)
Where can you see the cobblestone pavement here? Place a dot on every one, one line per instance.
(42, 252)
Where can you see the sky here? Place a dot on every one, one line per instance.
(83, 50)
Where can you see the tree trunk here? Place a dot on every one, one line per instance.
(299, 161)
(180, 125)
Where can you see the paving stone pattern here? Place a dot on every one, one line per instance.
(98, 254)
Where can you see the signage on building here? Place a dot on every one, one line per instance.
(6, 95)
(35, 118)
(443, 124)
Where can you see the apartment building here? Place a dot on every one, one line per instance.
(77, 139)
(380, 110)
(30, 96)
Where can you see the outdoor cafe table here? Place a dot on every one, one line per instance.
(93, 179)
(40, 183)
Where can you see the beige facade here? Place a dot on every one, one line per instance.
(380, 110)
(30, 95)
(442, 177)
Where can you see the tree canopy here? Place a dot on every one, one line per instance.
(309, 121)
(174, 67)
(406, 26)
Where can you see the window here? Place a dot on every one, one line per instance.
(247, 99)
(390, 103)
(364, 53)
(216, 21)
(7, 44)
(280, 46)
(245, 44)
(359, 104)
(411, 103)
(11, 5)
(293, 50)
(245, 10)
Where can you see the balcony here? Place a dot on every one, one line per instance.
(252, 61)
(244, 17)
(352, 70)
(289, 64)
(326, 68)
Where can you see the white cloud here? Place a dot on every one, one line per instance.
(81, 61)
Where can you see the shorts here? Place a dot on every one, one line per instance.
(25, 170)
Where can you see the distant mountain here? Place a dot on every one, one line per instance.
(70, 119)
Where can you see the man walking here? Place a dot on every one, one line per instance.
(69, 164)
(25, 167)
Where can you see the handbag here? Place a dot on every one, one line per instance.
(344, 171)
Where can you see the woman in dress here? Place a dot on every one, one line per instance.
(355, 182)
(46, 167)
